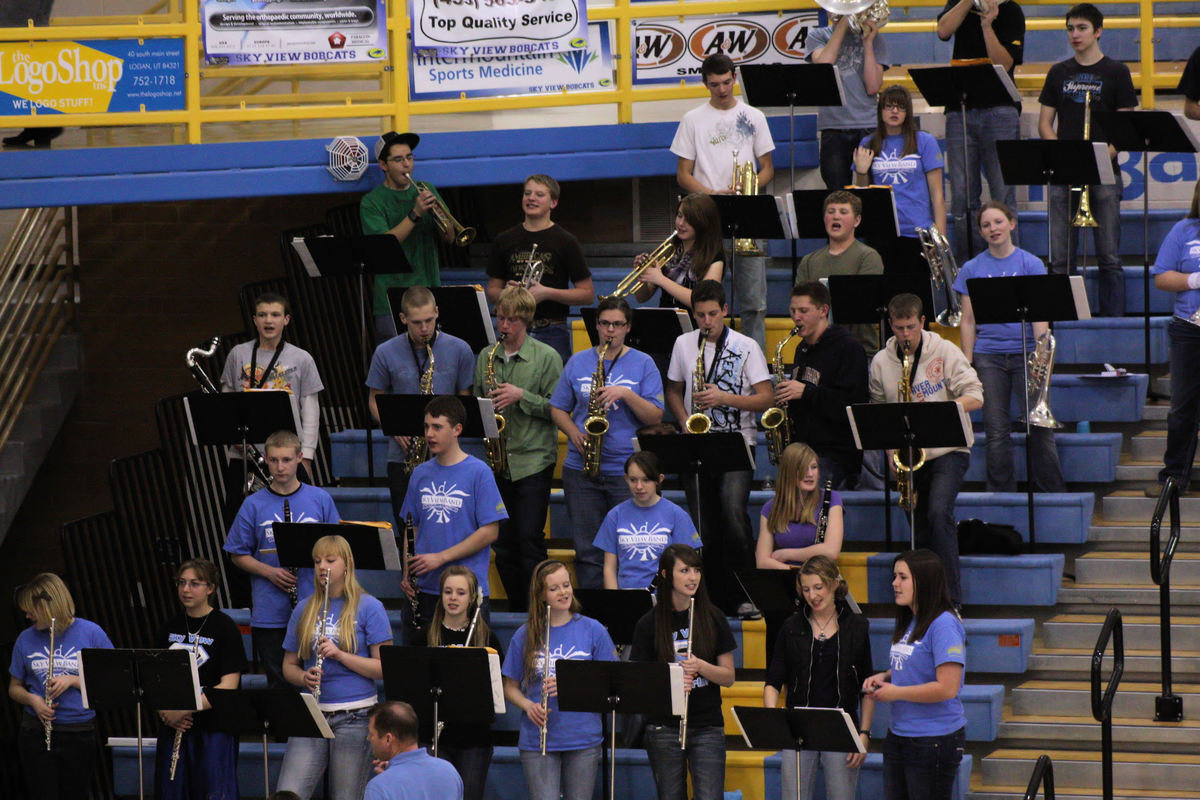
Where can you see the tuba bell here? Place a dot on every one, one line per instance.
(859, 11)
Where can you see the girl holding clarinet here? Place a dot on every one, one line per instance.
(332, 649)
(192, 760)
(685, 627)
(560, 750)
(56, 741)
(457, 622)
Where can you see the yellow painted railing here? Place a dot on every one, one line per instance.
(271, 93)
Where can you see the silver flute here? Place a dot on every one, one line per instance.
(318, 632)
(49, 677)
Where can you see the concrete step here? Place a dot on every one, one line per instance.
(1141, 631)
(1074, 731)
(982, 792)
(1110, 535)
(1131, 771)
(1133, 569)
(1139, 664)
(1076, 597)
(1134, 699)
(1134, 505)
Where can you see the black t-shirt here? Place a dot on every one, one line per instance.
(1189, 82)
(824, 676)
(1068, 81)
(471, 735)
(835, 369)
(1009, 26)
(704, 706)
(220, 651)
(557, 249)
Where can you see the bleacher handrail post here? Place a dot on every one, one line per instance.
(1043, 778)
(1102, 702)
(1168, 707)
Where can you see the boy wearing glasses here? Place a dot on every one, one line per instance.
(631, 398)
(275, 590)
(399, 207)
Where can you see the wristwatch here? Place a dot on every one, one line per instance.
(865, 733)
(414, 217)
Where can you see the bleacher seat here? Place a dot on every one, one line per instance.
(1085, 457)
(1022, 580)
(1074, 398)
(993, 645)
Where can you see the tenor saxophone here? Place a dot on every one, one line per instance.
(497, 448)
(596, 424)
(418, 448)
(775, 419)
(905, 472)
(698, 421)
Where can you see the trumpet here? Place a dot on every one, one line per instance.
(447, 225)
(632, 283)
(775, 419)
(50, 677)
(698, 421)
(534, 269)
(545, 676)
(318, 633)
(687, 695)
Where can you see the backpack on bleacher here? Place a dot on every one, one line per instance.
(979, 538)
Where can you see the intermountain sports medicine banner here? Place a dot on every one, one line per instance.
(91, 77)
(294, 31)
(473, 28)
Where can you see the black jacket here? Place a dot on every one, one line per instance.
(835, 373)
(793, 656)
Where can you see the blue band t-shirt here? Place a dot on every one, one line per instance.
(31, 661)
(915, 663)
(638, 536)
(339, 683)
(906, 175)
(1180, 251)
(999, 337)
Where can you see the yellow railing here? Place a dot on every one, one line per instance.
(274, 93)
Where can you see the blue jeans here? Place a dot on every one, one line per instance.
(841, 782)
(521, 545)
(985, 126)
(588, 501)
(837, 155)
(1064, 242)
(472, 764)
(1003, 379)
(750, 295)
(1184, 416)
(267, 645)
(937, 485)
(837, 471)
(704, 758)
(720, 514)
(921, 767)
(347, 755)
(557, 336)
(569, 774)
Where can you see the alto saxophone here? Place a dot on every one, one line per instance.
(418, 448)
(698, 422)
(775, 419)
(596, 424)
(905, 471)
(497, 449)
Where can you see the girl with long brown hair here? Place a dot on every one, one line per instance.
(697, 255)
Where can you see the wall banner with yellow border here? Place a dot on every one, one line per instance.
(294, 31)
(91, 77)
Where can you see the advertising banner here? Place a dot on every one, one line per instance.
(91, 77)
(294, 31)
(470, 28)
(669, 49)
(589, 69)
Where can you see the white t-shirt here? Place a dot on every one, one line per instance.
(741, 365)
(709, 136)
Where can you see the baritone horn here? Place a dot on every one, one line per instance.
(445, 221)
(859, 11)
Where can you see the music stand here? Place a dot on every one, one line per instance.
(1026, 299)
(618, 610)
(791, 85)
(652, 688)
(267, 712)
(909, 427)
(238, 418)
(829, 730)
(372, 547)
(357, 257)
(462, 312)
(404, 415)
(1054, 162)
(1146, 132)
(743, 216)
(164, 679)
(441, 683)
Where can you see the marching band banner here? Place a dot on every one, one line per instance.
(433, 77)
(668, 49)
(294, 31)
(91, 77)
(473, 28)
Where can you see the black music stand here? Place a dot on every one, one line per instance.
(441, 683)
(1026, 299)
(361, 258)
(773, 592)
(743, 216)
(612, 687)
(910, 427)
(1054, 162)
(791, 85)
(372, 547)
(1147, 132)
(238, 418)
(966, 86)
(120, 679)
(261, 713)
(462, 312)
(404, 415)
(829, 730)
(618, 610)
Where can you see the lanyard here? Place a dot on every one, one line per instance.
(417, 358)
(717, 350)
(270, 365)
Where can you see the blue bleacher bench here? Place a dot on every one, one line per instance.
(1024, 580)
(1085, 457)
(993, 645)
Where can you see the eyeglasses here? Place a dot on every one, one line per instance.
(190, 584)
(894, 107)
(401, 159)
(608, 323)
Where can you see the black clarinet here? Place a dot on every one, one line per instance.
(823, 519)
(410, 550)
(293, 597)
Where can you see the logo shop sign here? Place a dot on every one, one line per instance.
(668, 50)
(474, 28)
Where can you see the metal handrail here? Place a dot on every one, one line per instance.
(37, 273)
(1043, 778)
(1102, 702)
(1168, 707)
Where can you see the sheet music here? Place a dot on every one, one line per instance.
(676, 672)
(301, 248)
(318, 716)
(497, 682)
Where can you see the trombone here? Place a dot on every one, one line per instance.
(445, 221)
(632, 283)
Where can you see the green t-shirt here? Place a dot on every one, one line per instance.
(381, 210)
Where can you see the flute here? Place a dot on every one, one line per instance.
(475, 617)
(177, 745)
(687, 695)
(318, 632)
(49, 677)
(545, 677)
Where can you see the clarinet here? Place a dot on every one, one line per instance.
(545, 677)
(684, 719)
(49, 677)
(410, 550)
(293, 597)
(318, 632)
(823, 519)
